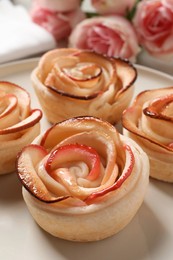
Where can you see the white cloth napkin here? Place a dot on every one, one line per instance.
(19, 36)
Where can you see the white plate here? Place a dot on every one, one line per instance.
(148, 237)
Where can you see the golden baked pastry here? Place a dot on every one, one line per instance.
(149, 121)
(72, 82)
(19, 125)
(82, 180)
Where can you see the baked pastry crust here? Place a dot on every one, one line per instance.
(82, 181)
(19, 124)
(149, 122)
(71, 82)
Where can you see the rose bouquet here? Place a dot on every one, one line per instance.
(111, 35)
(57, 17)
(124, 29)
(153, 22)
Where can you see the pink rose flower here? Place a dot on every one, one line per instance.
(59, 5)
(168, 3)
(112, 6)
(111, 35)
(154, 26)
(59, 24)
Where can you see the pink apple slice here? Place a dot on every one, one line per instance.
(9, 111)
(84, 72)
(21, 94)
(35, 117)
(7, 104)
(27, 162)
(160, 108)
(75, 152)
(130, 161)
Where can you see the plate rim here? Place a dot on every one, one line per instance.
(20, 67)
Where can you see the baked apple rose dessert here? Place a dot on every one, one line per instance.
(149, 121)
(72, 82)
(82, 180)
(19, 125)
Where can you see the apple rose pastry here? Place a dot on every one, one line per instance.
(82, 180)
(149, 121)
(72, 82)
(19, 125)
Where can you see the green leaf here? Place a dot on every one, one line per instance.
(130, 13)
(92, 14)
(81, 1)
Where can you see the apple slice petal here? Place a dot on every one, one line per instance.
(75, 152)
(28, 122)
(130, 161)
(21, 94)
(9, 111)
(27, 161)
(7, 103)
